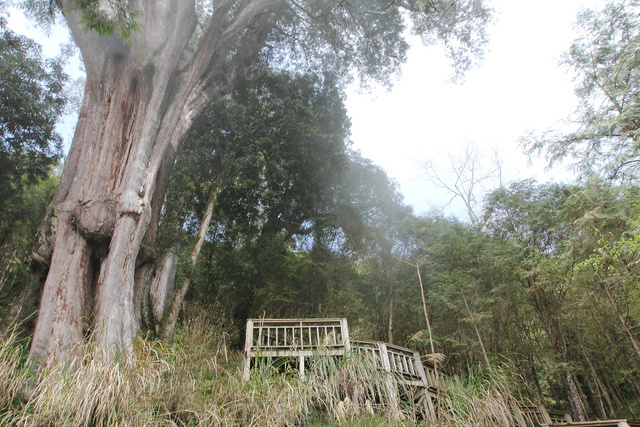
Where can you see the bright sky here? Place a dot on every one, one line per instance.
(519, 87)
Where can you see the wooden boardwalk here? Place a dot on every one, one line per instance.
(300, 339)
(294, 338)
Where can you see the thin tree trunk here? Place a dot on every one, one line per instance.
(621, 318)
(558, 344)
(390, 311)
(169, 329)
(636, 387)
(475, 327)
(426, 314)
(602, 413)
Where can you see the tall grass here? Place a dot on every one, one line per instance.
(99, 391)
(13, 376)
(481, 399)
(196, 381)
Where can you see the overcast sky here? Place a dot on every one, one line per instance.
(518, 88)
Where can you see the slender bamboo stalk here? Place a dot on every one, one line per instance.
(475, 327)
(621, 318)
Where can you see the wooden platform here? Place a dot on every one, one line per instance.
(300, 339)
(294, 338)
(606, 423)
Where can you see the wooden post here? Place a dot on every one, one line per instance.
(425, 384)
(391, 388)
(248, 344)
(345, 336)
(544, 414)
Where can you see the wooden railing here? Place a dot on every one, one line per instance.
(391, 358)
(530, 415)
(299, 339)
(286, 334)
(423, 380)
(296, 338)
(302, 338)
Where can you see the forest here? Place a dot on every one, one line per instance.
(216, 182)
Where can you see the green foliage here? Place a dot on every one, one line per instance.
(17, 229)
(31, 101)
(606, 63)
(117, 15)
(275, 146)
(460, 27)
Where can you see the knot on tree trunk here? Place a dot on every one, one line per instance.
(95, 219)
(46, 236)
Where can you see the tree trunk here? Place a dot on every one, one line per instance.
(472, 317)
(597, 390)
(139, 102)
(162, 287)
(390, 311)
(172, 319)
(620, 316)
(558, 343)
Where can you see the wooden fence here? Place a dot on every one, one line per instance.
(294, 338)
(300, 339)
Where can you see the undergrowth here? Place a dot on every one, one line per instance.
(197, 381)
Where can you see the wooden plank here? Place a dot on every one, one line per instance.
(604, 423)
(345, 335)
(421, 372)
(384, 356)
(248, 344)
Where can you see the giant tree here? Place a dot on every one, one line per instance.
(151, 67)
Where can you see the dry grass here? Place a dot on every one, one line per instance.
(478, 401)
(13, 376)
(97, 391)
(198, 382)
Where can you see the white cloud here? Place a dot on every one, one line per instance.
(519, 87)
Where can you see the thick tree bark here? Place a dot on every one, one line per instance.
(139, 102)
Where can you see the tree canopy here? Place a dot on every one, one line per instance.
(606, 64)
(32, 99)
(152, 68)
(268, 213)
